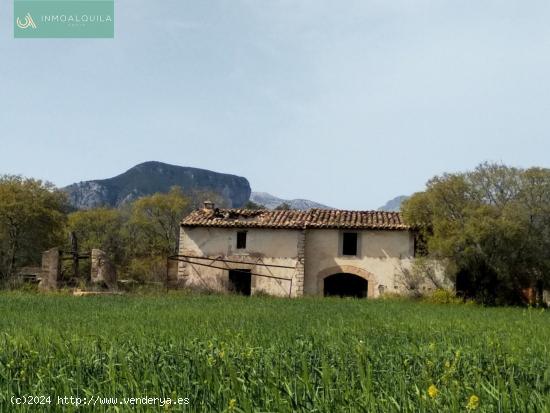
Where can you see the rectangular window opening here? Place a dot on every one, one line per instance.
(241, 240)
(349, 243)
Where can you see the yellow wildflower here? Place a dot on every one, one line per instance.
(210, 361)
(432, 391)
(473, 402)
(232, 404)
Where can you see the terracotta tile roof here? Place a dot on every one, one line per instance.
(294, 219)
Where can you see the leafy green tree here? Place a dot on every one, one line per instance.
(492, 227)
(154, 223)
(32, 219)
(99, 228)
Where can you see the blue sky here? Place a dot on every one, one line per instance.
(346, 103)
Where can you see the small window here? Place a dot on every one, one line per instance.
(349, 243)
(241, 240)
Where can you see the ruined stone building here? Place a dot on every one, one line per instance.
(294, 253)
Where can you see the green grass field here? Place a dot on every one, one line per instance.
(265, 354)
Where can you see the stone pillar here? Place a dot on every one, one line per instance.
(298, 282)
(51, 269)
(103, 271)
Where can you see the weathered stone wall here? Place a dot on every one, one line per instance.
(313, 254)
(172, 268)
(300, 264)
(380, 257)
(51, 269)
(272, 247)
(103, 272)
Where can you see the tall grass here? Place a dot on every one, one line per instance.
(265, 354)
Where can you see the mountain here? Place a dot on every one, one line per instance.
(394, 204)
(272, 202)
(151, 177)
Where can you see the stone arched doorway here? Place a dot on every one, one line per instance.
(345, 285)
(346, 281)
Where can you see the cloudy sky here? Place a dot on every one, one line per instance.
(348, 103)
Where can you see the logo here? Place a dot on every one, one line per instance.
(26, 23)
(63, 18)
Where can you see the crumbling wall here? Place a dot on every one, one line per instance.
(103, 271)
(269, 253)
(172, 274)
(50, 270)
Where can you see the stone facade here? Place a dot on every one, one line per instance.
(103, 272)
(380, 256)
(50, 270)
(300, 264)
(304, 257)
(219, 245)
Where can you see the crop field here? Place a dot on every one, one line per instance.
(270, 355)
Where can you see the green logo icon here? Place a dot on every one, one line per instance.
(63, 18)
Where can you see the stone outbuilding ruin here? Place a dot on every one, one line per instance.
(102, 271)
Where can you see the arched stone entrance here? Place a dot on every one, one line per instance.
(345, 285)
(347, 281)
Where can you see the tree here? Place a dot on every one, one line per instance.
(32, 219)
(491, 225)
(154, 222)
(99, 228)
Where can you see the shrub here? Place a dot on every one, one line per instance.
(149, 269)
(391, 296)
(442, 296)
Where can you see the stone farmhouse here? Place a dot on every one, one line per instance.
(293, 253)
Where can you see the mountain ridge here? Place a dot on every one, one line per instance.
(150, 177)
(271, 201)
(394, 205)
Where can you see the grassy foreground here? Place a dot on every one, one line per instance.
(265, 354)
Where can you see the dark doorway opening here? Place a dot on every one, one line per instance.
(240, 281)
(346, 285)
